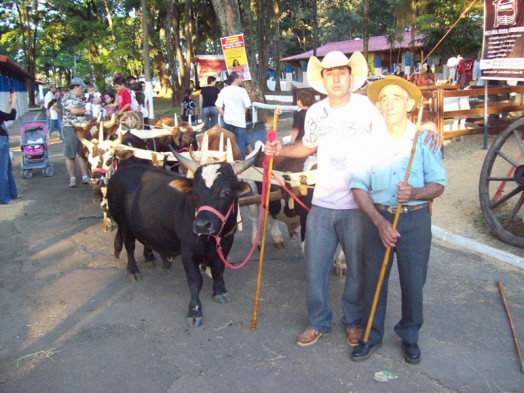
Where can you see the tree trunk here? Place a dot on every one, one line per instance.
(366, 29)
(228, 15)
(277, 46)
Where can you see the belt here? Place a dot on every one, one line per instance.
(403, 208)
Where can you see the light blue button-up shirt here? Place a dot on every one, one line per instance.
(380, 176)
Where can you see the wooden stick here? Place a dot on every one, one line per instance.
(395, 222)
(513, 330)
(271, 136)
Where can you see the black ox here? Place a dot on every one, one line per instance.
(174, 215)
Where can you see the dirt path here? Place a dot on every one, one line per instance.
(72, 322)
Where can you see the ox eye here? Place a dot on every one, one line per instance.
(226, 194)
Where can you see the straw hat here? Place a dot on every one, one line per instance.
(357, 63)
(374, 89)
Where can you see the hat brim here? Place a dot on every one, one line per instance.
(413, 91)
(359, 72)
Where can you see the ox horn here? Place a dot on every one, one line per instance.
(199, 127)
(241, 166)
(229, 151)
(175, 120)
(189, 163)
(204, 149)
(117, 141)
(85, 142)
(101, 133)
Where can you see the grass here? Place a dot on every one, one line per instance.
(163, 107)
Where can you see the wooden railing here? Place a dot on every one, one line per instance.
(461, 112)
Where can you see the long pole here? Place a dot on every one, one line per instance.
(513, 330)
(395, 222)
(271, 136)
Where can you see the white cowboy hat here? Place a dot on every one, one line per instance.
(357, 63)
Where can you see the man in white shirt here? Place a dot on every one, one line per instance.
(335, 128)
(232, 103)
(50, 95)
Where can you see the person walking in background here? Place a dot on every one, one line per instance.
(378, 188)
(208, 97)
(334, 128)
(232, 104)
(399, 72)
(53, 113)
(8, 191)
(50, 95)
(74, 113)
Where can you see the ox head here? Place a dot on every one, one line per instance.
(101, 159)
(182, 134)
(216, 189)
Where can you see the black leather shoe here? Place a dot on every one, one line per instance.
(411, 353)
(363, 351)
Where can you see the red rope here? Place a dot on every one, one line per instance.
(260, 210)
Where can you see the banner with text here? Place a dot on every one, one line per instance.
(503, 44)
(235, 55)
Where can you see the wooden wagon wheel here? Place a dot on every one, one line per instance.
(501, 186)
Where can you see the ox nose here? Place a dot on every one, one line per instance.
(203, 226)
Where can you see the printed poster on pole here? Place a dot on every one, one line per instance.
(235, 55)
(503, 43)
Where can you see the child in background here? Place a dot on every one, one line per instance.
(141, 100)
(305, 98)
(109, 100)
(189, 108)
(53, 113)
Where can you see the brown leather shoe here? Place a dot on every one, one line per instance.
(309, 337)
(353, 336)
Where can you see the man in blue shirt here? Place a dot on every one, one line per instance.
(378, 189)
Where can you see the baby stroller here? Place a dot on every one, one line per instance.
(34, 139)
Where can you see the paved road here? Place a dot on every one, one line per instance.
(72, 322)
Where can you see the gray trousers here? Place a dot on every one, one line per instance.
(412, 251)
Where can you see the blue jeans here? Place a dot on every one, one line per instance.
(241, 135)
(210, 116)
(7, 181)
(325, 229)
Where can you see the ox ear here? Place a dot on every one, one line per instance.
(181, 185)
(123, 154)
(243, 188)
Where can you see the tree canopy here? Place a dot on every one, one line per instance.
(94, 39)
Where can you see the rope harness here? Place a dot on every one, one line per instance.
(260, 210)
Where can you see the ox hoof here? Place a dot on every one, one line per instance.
(224, 298)
(339, 271)
(149, 257)
(193, 322)
(279, 245)
(134, 277)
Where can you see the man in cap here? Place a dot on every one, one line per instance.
(378, 189)
(334, 128)
(74, 113)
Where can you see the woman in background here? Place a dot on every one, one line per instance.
(8, 190)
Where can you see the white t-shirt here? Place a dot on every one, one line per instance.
(342, 137)
(53, 113)
(235, 100)
(47, 98)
